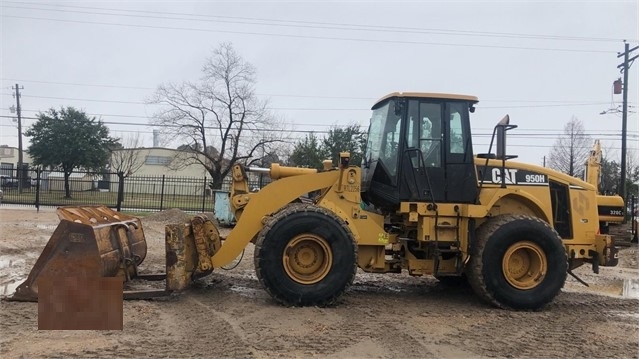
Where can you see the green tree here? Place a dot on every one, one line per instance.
(632, 174)
(350, 138)
(308, 153)
(311, 151)
(68, 139)
(610, 177)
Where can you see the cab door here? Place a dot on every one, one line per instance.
(460, 176)
(437, 160)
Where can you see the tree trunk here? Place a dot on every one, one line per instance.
(67, 189)
(216, 183)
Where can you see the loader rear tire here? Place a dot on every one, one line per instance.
(305, 255)
(517, 262)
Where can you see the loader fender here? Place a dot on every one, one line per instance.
(520, 202)
(367, 227)
(264, 203)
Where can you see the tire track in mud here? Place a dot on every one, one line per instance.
(234, 326)
(231, 316)
(415, 315)
(196, 330)
(571, 326)
(273, 329)
(267, 327)
(375, 324)
(368, 321)
(350, 328)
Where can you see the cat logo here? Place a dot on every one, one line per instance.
(510, 175)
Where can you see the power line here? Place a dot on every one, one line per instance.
(81, 84)
(403, 42)
(546, 105)
(87, 99)
(301, 24)
(522, 133)
(563, 102)
(290, 139)
(323, 108)
(149, 117)
(535, 136)
(153, 88)
(153, 104)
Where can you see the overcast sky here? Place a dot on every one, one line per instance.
(325, 63)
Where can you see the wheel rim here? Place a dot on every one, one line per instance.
(307, 258)
(524, 265)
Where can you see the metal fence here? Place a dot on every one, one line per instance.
(134, 193)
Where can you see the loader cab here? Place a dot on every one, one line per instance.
(419, 149)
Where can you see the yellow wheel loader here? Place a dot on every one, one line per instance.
(421, 203)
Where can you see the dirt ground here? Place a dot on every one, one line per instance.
(382, 316)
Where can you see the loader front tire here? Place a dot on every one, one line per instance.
(517, 262)
(305, 255)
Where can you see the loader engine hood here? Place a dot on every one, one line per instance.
(523, 174)
(609, 207)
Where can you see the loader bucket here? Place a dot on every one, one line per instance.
(90, 241)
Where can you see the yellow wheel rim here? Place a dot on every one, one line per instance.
(524, 265)
(307, 258)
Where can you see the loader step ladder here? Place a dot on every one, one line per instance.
(442, 248)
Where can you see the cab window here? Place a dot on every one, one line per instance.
(430, 139)
(458, 134)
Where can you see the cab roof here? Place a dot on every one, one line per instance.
(446, 96)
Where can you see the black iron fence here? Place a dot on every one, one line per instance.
(134, 193)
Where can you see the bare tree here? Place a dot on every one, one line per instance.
(219, 119)
(570, 151)
(130, 158)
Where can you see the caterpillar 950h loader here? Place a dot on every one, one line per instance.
(421, 203)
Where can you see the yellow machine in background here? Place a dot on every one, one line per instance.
(610, 207)
(421, 203)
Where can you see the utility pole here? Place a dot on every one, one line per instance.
(20, 159)
(624, 67)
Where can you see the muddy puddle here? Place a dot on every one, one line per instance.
(11, 274)
(630, 288)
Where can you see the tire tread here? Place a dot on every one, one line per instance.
(282, 215)
(475, 268)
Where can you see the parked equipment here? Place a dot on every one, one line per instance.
(610, 207)
(420, 203)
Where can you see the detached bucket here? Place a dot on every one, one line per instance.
(91, 241)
